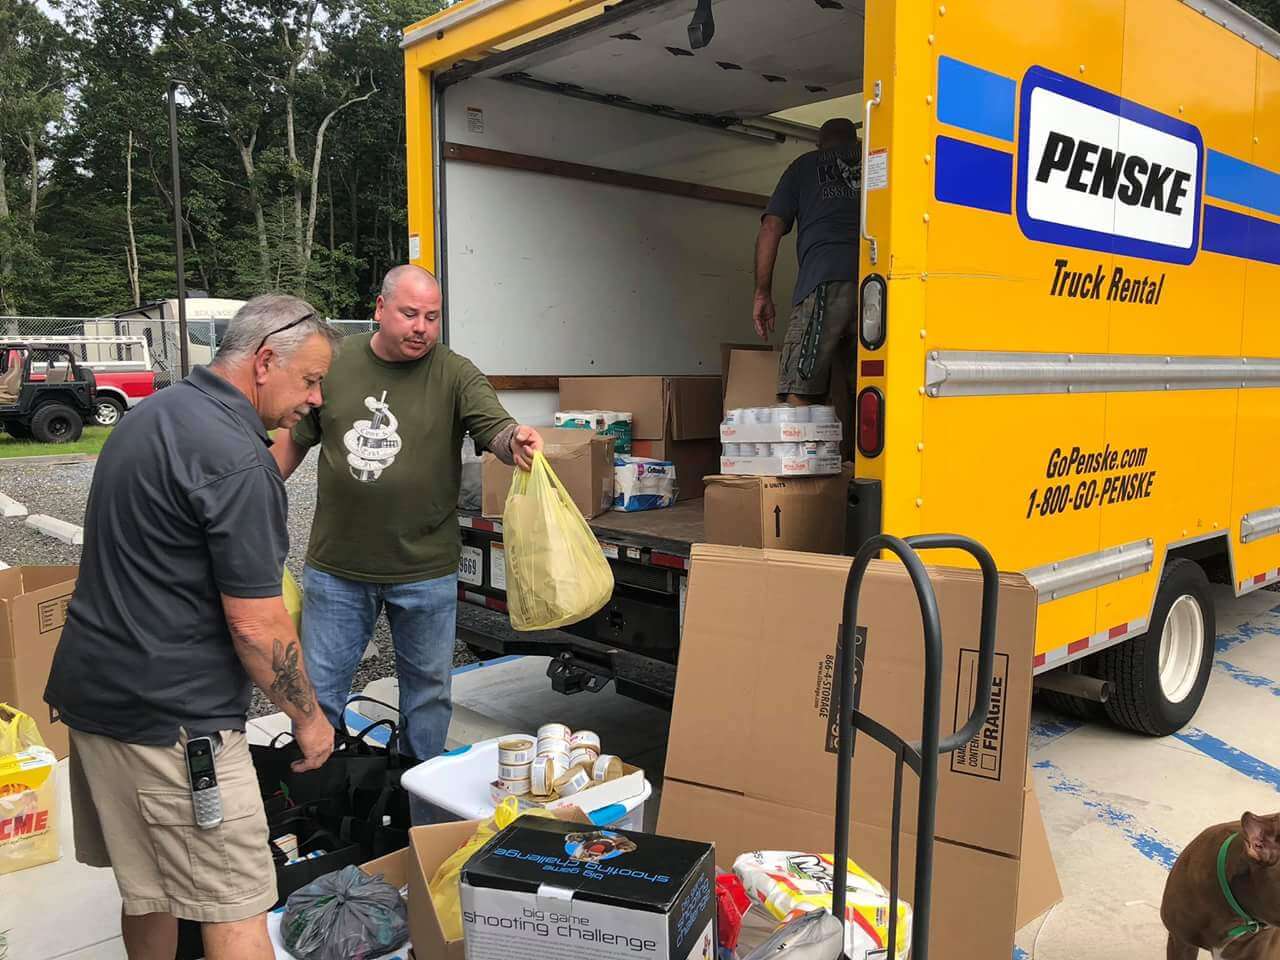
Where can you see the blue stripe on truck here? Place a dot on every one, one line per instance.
(1237, 181)
(973, 175)
(976, 99)
(1240, 235)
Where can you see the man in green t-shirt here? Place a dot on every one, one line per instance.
(385, 534)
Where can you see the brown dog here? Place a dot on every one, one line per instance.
(1199, 914)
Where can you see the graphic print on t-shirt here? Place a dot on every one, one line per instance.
(838, 179)
(372, 444)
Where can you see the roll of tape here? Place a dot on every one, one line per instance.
(513, 771)
(517, 788)
(583, 757)
(606, 767)
(575, 781)
(554, 731)
(543, 775)
(585, 738)
(514, 751)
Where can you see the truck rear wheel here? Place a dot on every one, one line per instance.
(1158, 679)
(56, 423)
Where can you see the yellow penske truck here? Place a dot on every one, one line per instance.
(1068, 344)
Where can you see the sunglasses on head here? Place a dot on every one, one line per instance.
(287, 326)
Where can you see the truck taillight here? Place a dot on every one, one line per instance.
(870, 422)
(871, 311)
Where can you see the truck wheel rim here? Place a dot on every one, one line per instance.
(107, 414)
(1181, 649)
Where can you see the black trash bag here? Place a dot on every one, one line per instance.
(344, 914)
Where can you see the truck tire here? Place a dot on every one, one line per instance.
(56, 423)
(107, 411)
(1158, 679)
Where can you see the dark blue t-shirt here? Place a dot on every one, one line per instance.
(823, 191)
(186, 504)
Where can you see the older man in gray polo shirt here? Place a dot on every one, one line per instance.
(177, 611)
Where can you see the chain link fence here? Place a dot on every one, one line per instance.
(160, 335)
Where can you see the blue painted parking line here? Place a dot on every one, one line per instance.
(1145, 841)
(1051, 729)
(1251, 766)
(1263, 624)
(1245, 677)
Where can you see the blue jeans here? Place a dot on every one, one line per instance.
(338, 617)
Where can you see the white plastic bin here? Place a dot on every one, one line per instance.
(455, 785)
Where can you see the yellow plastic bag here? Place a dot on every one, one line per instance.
(556, 571)
(28, 794)
(292, 594)
(445, 885)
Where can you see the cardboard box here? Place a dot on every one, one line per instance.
(784, 513)
(751, 379)
(429, 847)
(583, 461)
(694, 459)
(550, 890)
(980, 899)
(33, 608)
(759, 660)
(662, 408)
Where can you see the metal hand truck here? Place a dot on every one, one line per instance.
(921, 756)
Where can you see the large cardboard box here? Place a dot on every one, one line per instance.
(33, 608)
(583, 461)
(694, 459)
(979, 900)
(662, 408)
(783, 513)
(759, 661)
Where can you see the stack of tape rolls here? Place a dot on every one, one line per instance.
(557, 763)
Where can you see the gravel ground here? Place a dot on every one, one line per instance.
(62, 491)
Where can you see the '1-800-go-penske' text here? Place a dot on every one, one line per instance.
(1125, 480)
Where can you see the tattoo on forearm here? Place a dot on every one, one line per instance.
(289, 681)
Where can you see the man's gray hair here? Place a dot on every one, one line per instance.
(268, 316)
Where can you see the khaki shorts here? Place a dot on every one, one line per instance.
(131, 807)
(819, 336)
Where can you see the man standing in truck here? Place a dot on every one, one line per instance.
(821, 191)
(385, 534)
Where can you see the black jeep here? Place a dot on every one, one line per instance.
(45, 393)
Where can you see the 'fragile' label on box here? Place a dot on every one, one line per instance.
(982, 756)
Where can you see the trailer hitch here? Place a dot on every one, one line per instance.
(703, 26)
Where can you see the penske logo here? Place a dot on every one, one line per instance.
(1103, 173)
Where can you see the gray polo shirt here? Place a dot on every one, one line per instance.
(186, 504)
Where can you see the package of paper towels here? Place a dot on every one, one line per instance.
(640, 483)
(787, 884)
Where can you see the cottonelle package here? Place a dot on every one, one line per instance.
(550, 890)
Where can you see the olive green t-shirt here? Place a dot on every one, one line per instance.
(390, 461)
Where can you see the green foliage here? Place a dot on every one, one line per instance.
(84, 91)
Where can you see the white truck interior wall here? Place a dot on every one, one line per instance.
(534, 407)
(549, 275)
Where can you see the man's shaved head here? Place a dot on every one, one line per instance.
(396, 274)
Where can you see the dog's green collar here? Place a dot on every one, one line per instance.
(1249, 925)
